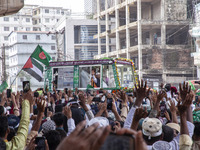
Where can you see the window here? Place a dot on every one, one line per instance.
(28, 19)
(53, 37)
(46, 11)
(6, 19)
(35, 12)
(6, 28)
(37, 37)
(24, 37)
(47, 20)
(53, 58)
(57, 20)
(62, 12)
(15, 19)
(28, 29)
(58, 11)
(15, 28)
(53, 47)
(35, 21)
(46, 29)
(5, 38)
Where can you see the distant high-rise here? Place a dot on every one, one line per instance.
(90, 7)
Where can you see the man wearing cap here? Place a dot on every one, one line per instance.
(18, 142)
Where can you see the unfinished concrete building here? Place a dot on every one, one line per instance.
(154, 33)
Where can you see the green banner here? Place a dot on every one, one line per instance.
(3, 86)
(48, 79)
(115, 76)
(76, 77)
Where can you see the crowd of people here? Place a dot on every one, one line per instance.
(144, 119)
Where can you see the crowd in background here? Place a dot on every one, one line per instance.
(143, 119)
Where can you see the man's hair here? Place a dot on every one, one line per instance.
(197, 129)
(152, 140)
(168, 133)
(1, 110)
(58, 118)
(53, 139)
(3, 126)
(2, 144)
(62, 133)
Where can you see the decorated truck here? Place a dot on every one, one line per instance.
(107, 73)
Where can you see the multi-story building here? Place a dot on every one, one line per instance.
(154, 33)
(29, 18)
(195, 33)
(21, 46)
(78, 40)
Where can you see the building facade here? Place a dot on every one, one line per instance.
(195, 33)
(29, 18)
(78, 40)
(154, 34)
(21, 46)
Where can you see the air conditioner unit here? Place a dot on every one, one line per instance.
(9, 7)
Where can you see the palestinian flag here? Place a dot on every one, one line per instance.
(34, 68)
(41, 55)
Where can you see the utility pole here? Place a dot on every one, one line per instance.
(3, 63)
(60, 55)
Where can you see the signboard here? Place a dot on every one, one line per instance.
(76, 77)
(115, 76)
(48, 78)
(85, 62)
(65, 77)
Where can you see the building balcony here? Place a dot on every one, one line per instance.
(134, 49)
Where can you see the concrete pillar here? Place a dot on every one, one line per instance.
(99, 27)
(127, 31)
(139, 17)
(163, 35)
(163, 27)
(107, 28)
(198, 72)
(151, 37)
(116, 26)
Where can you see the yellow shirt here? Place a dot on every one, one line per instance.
(18, 142)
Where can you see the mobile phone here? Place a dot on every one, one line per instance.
(66, 90)
(109, 103)
(40, 142)
(163, 108)
(96, 99)
(26, 86)
(119, 142)
(36, 94)
(8, 93)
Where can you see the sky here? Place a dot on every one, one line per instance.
(74, 5)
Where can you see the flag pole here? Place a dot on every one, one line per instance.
(22, 68)
(16, 77)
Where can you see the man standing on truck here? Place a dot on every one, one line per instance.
(95, 79)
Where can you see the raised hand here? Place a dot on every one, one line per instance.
(90, 138)
(184, 90)
(140, 113)
(172, 106)
(28, 96)
(141, 92)
(182, 108)
(68, 112)
(40, 105)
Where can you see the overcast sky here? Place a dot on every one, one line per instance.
(75, 5)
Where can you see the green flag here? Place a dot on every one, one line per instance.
(192, 86)
(41, 55)
(3, 86)
(90, 87)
